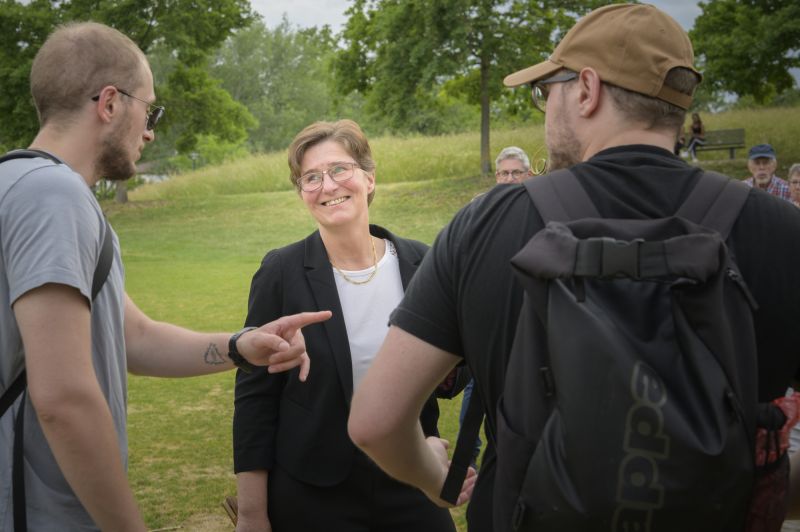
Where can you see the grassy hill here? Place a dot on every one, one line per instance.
(191, 245)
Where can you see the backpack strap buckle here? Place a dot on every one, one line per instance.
(608, 257)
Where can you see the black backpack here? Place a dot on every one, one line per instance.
(630, 399)
(19, 384)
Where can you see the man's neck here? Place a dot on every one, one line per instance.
(70, 147)
(608, 129)
(627, 138)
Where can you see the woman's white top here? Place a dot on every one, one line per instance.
(366, 308)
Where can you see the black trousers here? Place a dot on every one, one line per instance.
(368, 500)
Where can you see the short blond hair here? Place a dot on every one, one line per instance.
(76, 61)
(345, 132)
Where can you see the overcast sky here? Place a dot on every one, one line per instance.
(306, 13)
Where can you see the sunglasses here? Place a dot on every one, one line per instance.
(540, 90)
(154, 112)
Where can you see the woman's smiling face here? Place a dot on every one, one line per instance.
(335, 203)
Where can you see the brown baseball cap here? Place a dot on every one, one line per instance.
(632, 46)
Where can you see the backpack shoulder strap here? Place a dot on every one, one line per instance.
(104, 261)
(28, 154)
(12, 392)
(465, 445)
(559, 197)
(715, 202)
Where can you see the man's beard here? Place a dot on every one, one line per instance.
(564, 150)
(762, 181)
(114, 164)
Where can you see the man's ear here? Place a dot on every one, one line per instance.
(589, 91)
(107, 104)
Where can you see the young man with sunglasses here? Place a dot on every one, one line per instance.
(93, 91)
(615, 91)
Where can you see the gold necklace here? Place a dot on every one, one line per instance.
(374, 266)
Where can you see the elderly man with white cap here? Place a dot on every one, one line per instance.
(615, 92)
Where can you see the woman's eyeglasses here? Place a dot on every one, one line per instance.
(339, 172)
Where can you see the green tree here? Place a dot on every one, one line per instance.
(23, 29)
(747, 47)
(281, 75)
(188, 30)
(398, 53)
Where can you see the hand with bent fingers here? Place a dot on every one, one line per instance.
(280, 344)
(439, 447)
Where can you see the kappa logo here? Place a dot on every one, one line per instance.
(639, 491)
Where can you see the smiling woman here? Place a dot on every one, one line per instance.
(296, 467)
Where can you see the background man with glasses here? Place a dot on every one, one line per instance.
(616, 90)
(512, 165)
(93, 90)
(762, 163)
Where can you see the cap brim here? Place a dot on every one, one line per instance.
(762, 156)
(533, 73)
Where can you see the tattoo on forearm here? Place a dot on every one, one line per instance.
(213, 355)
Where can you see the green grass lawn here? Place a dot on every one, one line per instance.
(191, 245)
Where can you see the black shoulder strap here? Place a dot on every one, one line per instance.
(28, 154)
(104, 261)
(12, 393)
(18, 472)
(559, 197)
(715, 202)
(465, 446)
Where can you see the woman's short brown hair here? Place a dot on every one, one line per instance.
(346, 132)
(76, 61)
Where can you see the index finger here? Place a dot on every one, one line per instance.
(300, 320)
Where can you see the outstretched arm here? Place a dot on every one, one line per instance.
(164, 350)
(384, 417)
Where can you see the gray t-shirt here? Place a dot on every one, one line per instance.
(51, 231)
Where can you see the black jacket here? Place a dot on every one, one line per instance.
(277, 418)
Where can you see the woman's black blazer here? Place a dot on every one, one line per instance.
(277, 418)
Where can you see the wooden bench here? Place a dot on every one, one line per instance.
(723, 139)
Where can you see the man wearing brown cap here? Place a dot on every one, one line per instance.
(615, 92)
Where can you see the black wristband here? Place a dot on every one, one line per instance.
(238, 360)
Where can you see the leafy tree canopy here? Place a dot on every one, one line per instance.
(188, 30)
(402, 54)
(748, 46)
(281, 75)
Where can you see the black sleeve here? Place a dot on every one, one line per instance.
(765, 239)
(429, 308)
(257, 395)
